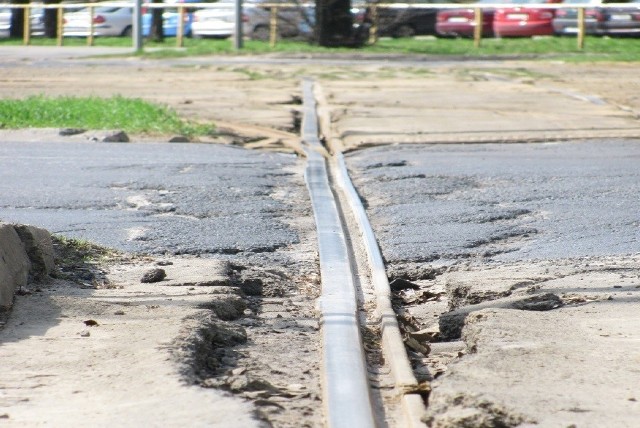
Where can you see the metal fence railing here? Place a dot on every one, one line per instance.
(275, 8)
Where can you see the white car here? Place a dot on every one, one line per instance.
(5, 21)
(108, 20)
(217, 21)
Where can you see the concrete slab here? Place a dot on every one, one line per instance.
(14, 265)
(559, 368)
(39, 247)
(450, 108)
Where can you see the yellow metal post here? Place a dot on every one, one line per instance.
(373, 32)
(477, 30)
(581, 28)
(179, 36)
(91, 18)
(273, 26)
(27, 26)
(60, 24)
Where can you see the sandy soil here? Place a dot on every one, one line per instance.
(88, 342)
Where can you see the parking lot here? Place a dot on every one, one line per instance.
(270, 20)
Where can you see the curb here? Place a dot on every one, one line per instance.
(26, 254)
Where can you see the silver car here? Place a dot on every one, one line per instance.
(5, 22)
(292, 21)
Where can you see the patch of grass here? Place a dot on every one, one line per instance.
(596, 48)
(131, 115)
(83, 262)
(565, 48)
(70, 251)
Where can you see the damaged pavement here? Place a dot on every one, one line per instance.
(153, 273)
(516, 277)
(518, 307)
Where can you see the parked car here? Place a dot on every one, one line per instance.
(525, 20)
(292, 22)
(110, 20)
(170, 19)
(5, 21)
(404, 21)
(462, 22)
(599, 20)
(619, 20)
(37, 19)
(36, 24)
(218, 21)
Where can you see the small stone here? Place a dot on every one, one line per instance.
(238, 371)
(179, 139)
(66, 132)
(153, 275)
(400, 284)
(213, 383)
(118, 313)
(296, 387)
(85, 333)
(426, 335)
(541, 302)
(116, 137)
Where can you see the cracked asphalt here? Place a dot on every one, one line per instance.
(502, 202)
(151, 198)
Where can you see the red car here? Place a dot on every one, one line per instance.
(462, 22)
(525, 20)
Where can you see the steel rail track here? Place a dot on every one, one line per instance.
(346, 391)
(346, 397)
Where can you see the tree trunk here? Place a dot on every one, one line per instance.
(17, 19)
(51, 20)
(156, 32)
(334, 23)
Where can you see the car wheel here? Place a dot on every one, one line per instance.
(127, 32)
(404, 31)
(261, 33)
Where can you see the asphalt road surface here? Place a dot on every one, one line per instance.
(151, 198)
(510, 202)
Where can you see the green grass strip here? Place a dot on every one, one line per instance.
(562, 48)
(129, 114)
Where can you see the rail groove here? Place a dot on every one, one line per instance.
(346, 397)
(345, 386)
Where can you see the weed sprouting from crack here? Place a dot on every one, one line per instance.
(83, 262)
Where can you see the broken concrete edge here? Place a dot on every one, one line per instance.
(26, 254)
(452, 323)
